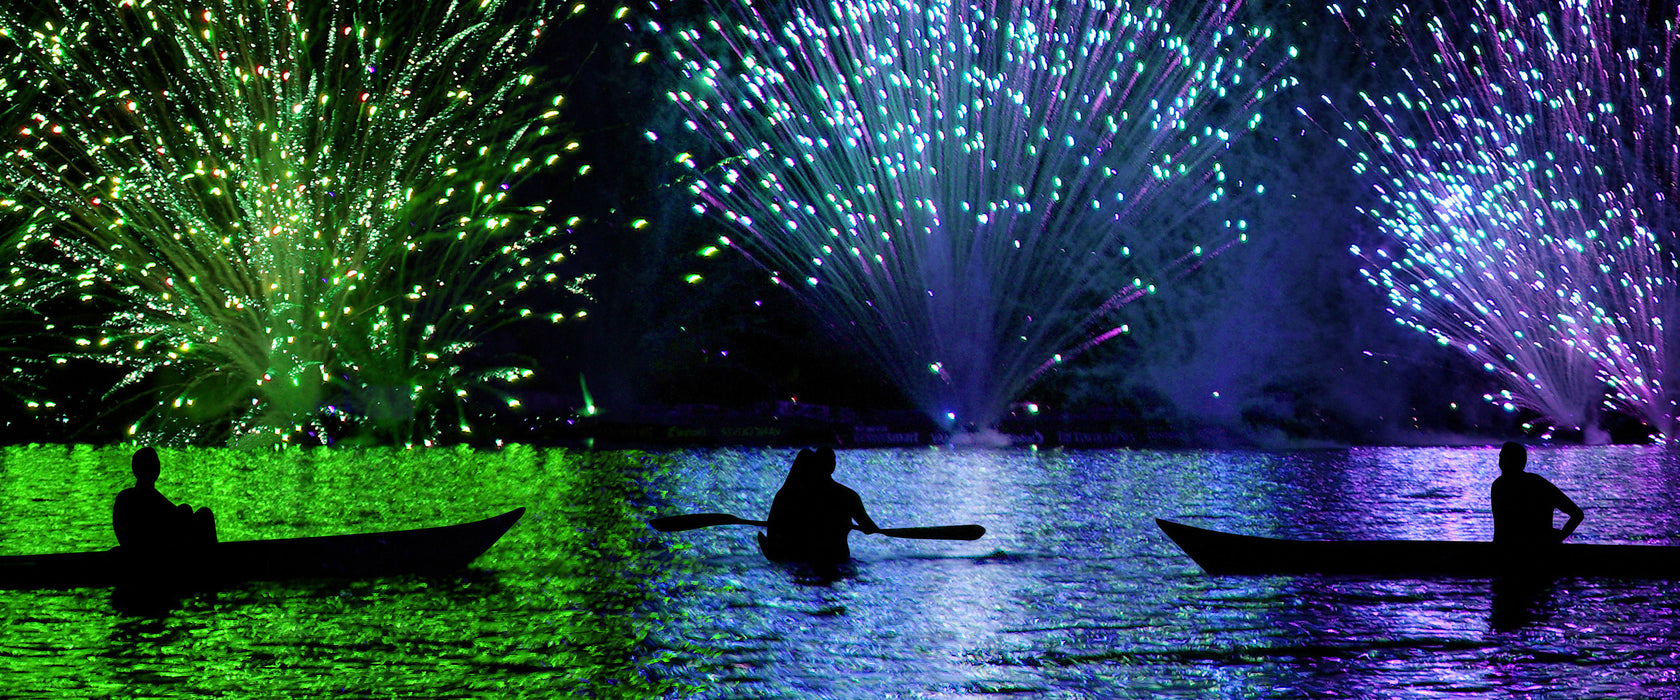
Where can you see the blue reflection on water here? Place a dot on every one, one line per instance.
(1075, 593)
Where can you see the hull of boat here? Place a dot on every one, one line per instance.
(771, 553)
(419, 551)
(1224, 553)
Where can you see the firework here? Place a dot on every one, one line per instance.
(970, 193)
(1526, 188)
(279, 216)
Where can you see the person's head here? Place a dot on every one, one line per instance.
(1513, 457)
(804, 465)
(812, 464)
(146, 466)
(825, 461)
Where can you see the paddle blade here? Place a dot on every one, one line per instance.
(695, 521)
(942, 532)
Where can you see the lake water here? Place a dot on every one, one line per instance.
(1073, 593)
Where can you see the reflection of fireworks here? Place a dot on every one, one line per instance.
(966, 190)
(1527, 176)
(277, 215)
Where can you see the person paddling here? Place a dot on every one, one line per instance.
(812, 513)
(146, 522)
(1523, 503)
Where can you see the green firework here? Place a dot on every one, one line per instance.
(282, 217)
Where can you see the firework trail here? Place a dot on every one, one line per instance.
(279, 216)
(970, 193)
(1526, 187)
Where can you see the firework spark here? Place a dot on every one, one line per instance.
(279, 215)
(1526, 187)
(970, 193)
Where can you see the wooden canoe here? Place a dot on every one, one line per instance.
(1223, 553)
(420, 551)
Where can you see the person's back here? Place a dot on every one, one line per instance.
(812, 514)
(146, 523)
(812, 523)
(143, 519)
(1523, 502)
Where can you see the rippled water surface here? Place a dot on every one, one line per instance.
(1073, 592)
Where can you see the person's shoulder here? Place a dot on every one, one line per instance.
(1536, 483)
(847, 492)
(140, 496)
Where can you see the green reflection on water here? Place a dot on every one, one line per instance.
(567, 604)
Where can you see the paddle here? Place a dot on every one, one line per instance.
(694, 521)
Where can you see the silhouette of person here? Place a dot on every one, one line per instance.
(145, 521)
(1523, 503)
(812, 513)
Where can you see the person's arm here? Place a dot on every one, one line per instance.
(1573, 511)
(861, 515)
(779, 506)
(122, 524)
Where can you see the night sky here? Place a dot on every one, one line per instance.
(1278, 340)
(1279, 336)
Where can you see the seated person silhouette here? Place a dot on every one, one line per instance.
(812, 514)
(148, 524)
(1523, 503)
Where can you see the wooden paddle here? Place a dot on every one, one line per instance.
(694, 521)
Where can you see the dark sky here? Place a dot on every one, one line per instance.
(1280, 336)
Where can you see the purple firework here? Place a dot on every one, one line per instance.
(1526, 187)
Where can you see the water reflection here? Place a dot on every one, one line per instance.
(568, 602)
(1521, 602)
(1073, 593)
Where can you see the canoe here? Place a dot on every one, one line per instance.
(420, 551)
(1223, 553)
(794, 557)
(820, 572)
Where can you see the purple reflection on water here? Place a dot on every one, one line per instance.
(1074, 593)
